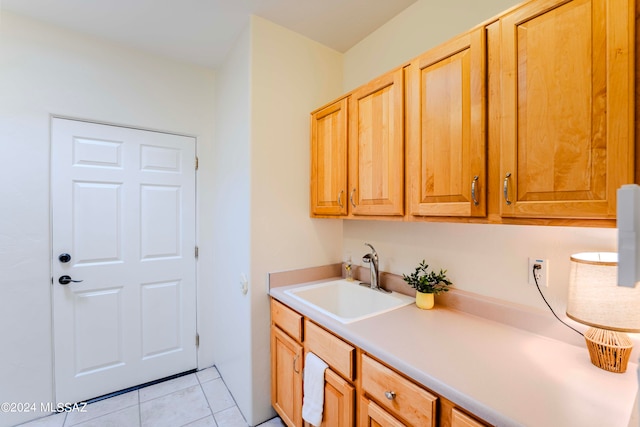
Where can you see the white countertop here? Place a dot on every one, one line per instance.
(504, 375)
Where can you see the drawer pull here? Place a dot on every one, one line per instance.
(473, 191)
(505, 188)
(295, 360)
(351, 198)
(390, 395)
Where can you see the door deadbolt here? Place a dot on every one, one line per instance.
(65, 280)
(64, 258)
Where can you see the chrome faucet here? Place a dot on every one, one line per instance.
(372, 260)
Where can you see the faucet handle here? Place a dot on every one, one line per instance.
(366, 258)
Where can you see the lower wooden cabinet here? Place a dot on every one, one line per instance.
(460, 419)
(452, 416)
(372, 415)
(358, 390)
(286, 377)
(339, 392)
(339, 402)
(336, 353)
(396, 394)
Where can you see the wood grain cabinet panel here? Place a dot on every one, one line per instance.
(372, 415)
(329, 160)
(452, 416)
(401, 397)
(286, 319)
(460, 419)
(446, 129)
(376, 146)
(286, 377)
(567, 108)
(339, 402)
(336, 353)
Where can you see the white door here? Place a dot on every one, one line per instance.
(123, 209)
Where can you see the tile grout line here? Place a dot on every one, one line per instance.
(235, 404)
(207, 398)
(232, 398)
(139, 410)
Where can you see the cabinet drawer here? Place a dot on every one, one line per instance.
(398, 395)
(336, 353)
(460, 419)
(286, 319)
(372, 415)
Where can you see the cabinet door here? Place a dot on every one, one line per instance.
(339, 401)
(376, 147)
(567, 81)
(286, 377)
(329, 160)
(447, 138)
(372, 415)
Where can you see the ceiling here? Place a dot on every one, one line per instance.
(202, 31)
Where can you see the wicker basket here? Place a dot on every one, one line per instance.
(609, 350)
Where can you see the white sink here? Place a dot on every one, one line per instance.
(348, 301)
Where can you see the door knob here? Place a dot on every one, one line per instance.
(65, 280)
(64, 258)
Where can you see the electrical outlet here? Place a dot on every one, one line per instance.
(541, 273)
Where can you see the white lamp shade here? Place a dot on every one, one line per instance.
(595, 298)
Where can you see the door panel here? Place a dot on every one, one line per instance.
(287, 364)
(329, 160)
(376, 146)
(567, 82)
(123, 207)
(105, 352)
(447, 135)
(161, 218)
(97, 222)
(161, 320)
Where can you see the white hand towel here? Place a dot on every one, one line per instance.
(313, 389)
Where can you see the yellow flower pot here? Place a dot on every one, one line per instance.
(424, 301)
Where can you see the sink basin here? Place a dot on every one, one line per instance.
(347, 301)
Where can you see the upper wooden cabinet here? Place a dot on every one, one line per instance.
(376, 146)
(567, 93)
(329, 159)
(528, 119)
(446, 129)
(357, 152)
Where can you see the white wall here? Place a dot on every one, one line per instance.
(45, 71)
(489, 260)
(231, 239)
(423, 25)
(486, 259)
(290, 76)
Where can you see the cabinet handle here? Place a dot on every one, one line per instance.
(473, 190)
(340, 199)
(505, 188)
(295, 362)
(390, 395)
(351, 197)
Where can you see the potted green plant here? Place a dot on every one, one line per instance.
(427, 284)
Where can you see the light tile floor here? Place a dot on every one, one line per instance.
(195, 400)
